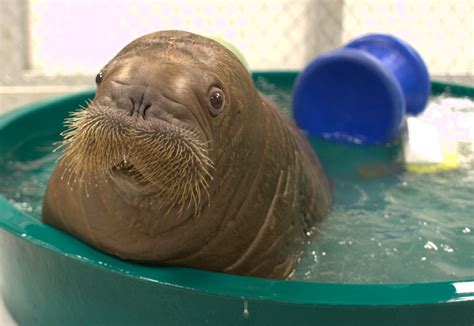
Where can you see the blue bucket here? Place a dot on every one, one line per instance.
(361, 93)
(402, 60)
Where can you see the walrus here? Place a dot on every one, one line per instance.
(179, 160)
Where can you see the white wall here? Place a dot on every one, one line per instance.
(79, 36)
(441, 30)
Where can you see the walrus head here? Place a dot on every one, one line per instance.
(159, 112)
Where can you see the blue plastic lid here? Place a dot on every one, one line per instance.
(404, 62)
(348, 96)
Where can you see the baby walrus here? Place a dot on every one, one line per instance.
(179, 160)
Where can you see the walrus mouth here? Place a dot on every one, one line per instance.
(131, 184)
(129, 174)
(165, 160)
(127, 170)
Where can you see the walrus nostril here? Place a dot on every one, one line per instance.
(130, 113)
(145, 109)
(139, 108)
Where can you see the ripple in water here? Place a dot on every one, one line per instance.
(25, 171)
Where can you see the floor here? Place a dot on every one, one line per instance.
(5, 317)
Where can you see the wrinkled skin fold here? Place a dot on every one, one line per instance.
(159, 169)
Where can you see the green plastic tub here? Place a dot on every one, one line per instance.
(50, 278)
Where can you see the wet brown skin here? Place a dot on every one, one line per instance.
(265, 190)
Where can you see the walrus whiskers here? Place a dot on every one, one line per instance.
(171, 160)
(94, 141)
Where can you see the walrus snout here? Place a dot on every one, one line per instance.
(140, 86)
(147, 93)
(142, 102)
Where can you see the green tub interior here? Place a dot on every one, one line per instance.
(50, 277)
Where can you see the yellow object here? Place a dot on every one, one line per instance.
(449, 161)
(427, 149)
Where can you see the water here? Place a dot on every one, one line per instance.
(398, 228)
(25, 171)
(408, 228)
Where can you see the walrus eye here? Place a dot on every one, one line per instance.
(98, 78)
(216, 101)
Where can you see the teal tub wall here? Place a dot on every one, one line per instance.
(50, 278)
